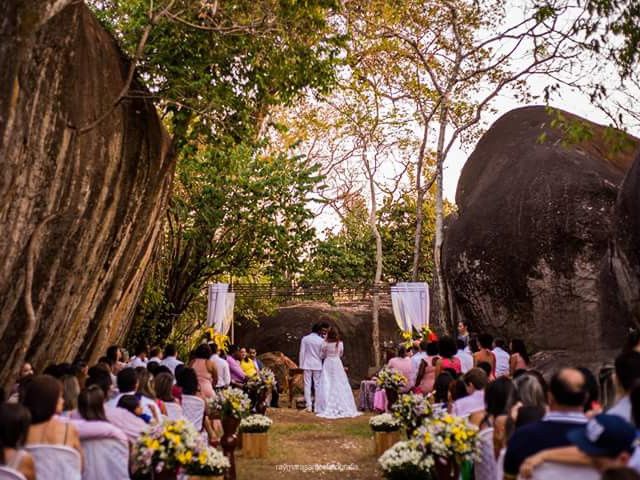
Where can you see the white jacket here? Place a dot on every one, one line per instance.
(310, 358)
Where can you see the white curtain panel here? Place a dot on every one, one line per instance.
(217, 305)
(228, 313)
(399, 311)
(414, 301)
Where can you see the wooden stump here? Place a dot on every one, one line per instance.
(385, 440)
(255, 445)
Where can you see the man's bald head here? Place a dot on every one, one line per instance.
(568, 389)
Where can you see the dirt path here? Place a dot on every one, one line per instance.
(302, 446)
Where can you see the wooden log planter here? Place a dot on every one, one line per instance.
(382, 441)
(255, 445)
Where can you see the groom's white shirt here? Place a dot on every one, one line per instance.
(310, 356)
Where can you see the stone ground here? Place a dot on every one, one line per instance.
(302, 446)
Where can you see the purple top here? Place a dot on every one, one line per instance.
(237, 375)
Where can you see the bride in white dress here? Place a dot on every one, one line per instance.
(334, 397)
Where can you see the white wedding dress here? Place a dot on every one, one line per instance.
(334, 397)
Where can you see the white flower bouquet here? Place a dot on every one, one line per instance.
(385, 422)
(255, 424)
(264, 380)
(231, 402)
(405, 461)
(209, 462)
(411, 409)
(389, 378)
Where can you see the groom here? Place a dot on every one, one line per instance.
(311, 361)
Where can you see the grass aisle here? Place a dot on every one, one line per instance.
(299, 440)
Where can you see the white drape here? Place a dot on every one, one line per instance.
(410, 303)
(220, 307)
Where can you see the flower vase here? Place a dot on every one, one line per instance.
(255, 444)
(383, 441)
(392, 397)
(446, 469)
(229, 442)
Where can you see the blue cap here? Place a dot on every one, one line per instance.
(604, 436)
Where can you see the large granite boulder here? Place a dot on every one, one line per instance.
(625, 251)
(526, 255)
(81, 207)
(283, 330)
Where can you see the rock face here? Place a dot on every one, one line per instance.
(80, 210)
(282, 332)
(625, 251)
(527, 254)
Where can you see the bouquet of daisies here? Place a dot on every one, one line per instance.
(231, 402)
(405, 461)
(166, 446)
(209, 462)
(255, 424)
(389, 378)
(411, 409)
(448, 437)
(385, 422)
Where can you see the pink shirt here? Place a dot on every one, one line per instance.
(470, 404)
(403, 367)
(237, 375)
(126, 421)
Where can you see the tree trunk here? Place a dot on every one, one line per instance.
(417, 240)
(441, 286)
(375, 300)
(81, 212)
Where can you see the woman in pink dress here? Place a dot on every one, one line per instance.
(402, 364)
(426, 377)
(205, 371)
(448, 360)
(519, 357)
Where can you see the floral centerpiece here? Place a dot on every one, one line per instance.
(231, 402)
(208, 463)
(385, 422)
(387, 378)
(405, 461)
(264, 380)
(449, 437)
(166, 447)
(255, 424)
(411, 409)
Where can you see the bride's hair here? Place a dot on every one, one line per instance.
(332, 335)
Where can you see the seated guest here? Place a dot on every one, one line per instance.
(426, 377)
(486, 366)
(187, 380)
(93, 420)
(155, 355)
(114, 358)
(128, 385)
(247, 365)
(253, 355)
(448, 359)
(43, 398)
(118, 417)
(70, 391)
(146, 389)
(466, 359)
(591, 407)
(140, 358)
(475, 381)
(566, 402)
(205, 370)
(416, 360)
(519, 359)
(502, 358)
(163, 384)
(14, 425)
(222, 367)
(238, 378)
(170, 358)
(627, 372)
(605, 442)
(441, 390)
(498, 396)
(485, 342)
(401, 363)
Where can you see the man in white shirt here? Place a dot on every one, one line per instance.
(475, 380)
(311, 361)
(170, 360)
(156, 355)
(466, 359)
(415, 361)
(140, 357)
(502, 358)
(222, 367)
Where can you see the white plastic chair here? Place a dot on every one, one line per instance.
(7, 473)
(105, 458)
(193, 408)
(54, 462)
(559, 471)
(485, 467)
(174, 411)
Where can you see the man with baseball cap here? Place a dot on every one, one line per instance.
(605, 442)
